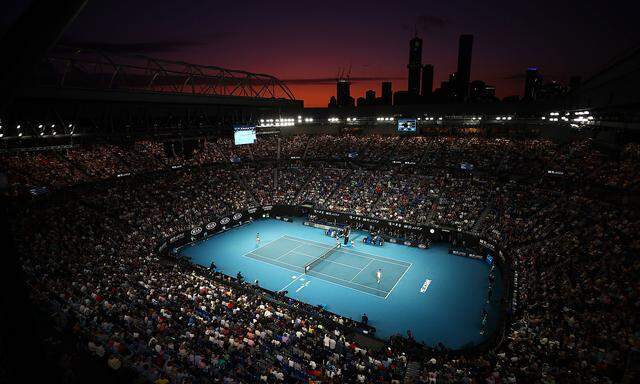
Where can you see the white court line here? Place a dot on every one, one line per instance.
(265, 244)
(353, 289)
(330, 282)
(349, 251)
(365, 267)
(327, 260)
(288, 252)
(350, 282)
(337, 278)
(300, 253)
(292, 281)
(303, 285)
(283, 262)
(394, 285)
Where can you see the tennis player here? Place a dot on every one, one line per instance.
(379, 275)
(257, 238)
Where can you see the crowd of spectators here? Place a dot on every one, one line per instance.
(175, 322)
(577, 161)
(92, 264)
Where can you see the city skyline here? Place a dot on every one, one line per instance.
(305, 44)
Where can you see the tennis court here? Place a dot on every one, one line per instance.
(342, 266)
(439, 296)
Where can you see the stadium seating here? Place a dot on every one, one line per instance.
(91, 263)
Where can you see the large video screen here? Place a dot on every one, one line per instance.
(244, 134)
(406, 125)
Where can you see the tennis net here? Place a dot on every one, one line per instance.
(312, 264)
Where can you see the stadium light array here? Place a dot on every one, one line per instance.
(279, 122)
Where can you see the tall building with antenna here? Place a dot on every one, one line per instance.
(343, 90)
(463, 75)
(415, 65)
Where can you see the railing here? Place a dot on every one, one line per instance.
(70, 67)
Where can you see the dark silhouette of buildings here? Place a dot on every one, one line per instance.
(536, 89)
(552, 90)
(427, 81)
(463, 74)
(412, 94)
(370, 97)
(343, 91)
(415, 65)
(405, 98)
(387, 93)
(447, 90)
(480, 91)
(532, 83)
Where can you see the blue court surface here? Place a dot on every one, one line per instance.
(438, 296)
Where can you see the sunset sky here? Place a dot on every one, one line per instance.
(307, 43)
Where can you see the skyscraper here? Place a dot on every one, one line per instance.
(463, 75)
(370, 97)
(387, 93)
(415, 65)
(532, 83)
(427, 80)
(479, 91)
(343, 92)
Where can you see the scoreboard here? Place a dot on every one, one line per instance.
(406, 125)
(244, 134)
